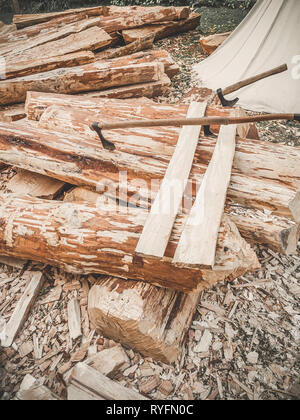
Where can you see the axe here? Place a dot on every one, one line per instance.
(247, 82)
(206, 121)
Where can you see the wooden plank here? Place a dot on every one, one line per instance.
(101, 386)
(94, 76)
(36, 185)
(23, 307)
(159, 224)
(39, 65)
(198, 241)
(74, 319)
(25, 20)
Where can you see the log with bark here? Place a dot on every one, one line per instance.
(33, 46)
(15, 69)
(162, 30)
(139, 45)
(94, 76)
(87, 239)
(22, 21)
(149, 319)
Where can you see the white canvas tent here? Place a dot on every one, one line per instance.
(268, 37)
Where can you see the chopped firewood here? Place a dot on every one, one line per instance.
(74, 319)
(53, 296)
(23, 307)
(162, 30)
(108, 361)
(166, 388)
(102, 239)
(25, 348)
(210, 43)
(87, 383)
(26, 182)
(94, 76)
(22, 21)
(24, 68)
(149, 384)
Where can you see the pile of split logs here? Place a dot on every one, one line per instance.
(58, 209)
(70, 52)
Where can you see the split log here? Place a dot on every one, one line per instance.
(181, 12)
(94, 76)
(278, 233)
(36, 185)
(86, 239)
(85, 383)
(24, 68)
(210, 43)
(139, 45)
(6, 29)
(22, 21)
(162, 30)
(270, 184)
(149, 90)
(141, 17)
(35, 280)
(146, 318)
(19, 48)
(89, 39)
(162, 56)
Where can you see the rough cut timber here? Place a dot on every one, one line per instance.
(149, 90)
(197, 244)
(86, 239)
(210, 43)
(35, 281)
(146, 318)
(16, 49)
(108, 361)
(181, 12)
(12, 113)
(89, 39)
(162, 30)
(162, 56)
(86, 383)
(24, 68)
(139, 45)
(255, 185)
(36, 185)
(159, 224)
(94, 76)
(141, 17)
(22, 21)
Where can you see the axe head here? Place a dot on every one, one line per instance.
(224, 101)
(108, 145)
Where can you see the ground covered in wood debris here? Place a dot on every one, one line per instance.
(244, 339)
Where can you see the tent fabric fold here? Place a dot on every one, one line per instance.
(268, 37)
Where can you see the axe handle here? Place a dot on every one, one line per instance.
(254, 79)
(197, 121)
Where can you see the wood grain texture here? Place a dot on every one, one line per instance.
(197, 244)
(94, 76)
(87, 239)
(159, 224)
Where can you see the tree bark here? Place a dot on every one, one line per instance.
(87, 239)
(94, 76)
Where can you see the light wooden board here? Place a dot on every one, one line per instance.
(23, 307)
(74, 319)
(159, 224)
(197, 244)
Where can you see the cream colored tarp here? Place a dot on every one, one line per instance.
(268, 37)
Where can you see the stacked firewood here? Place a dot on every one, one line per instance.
(71, 52)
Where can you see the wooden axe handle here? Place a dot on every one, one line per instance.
(253, 79)
(197, 121)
